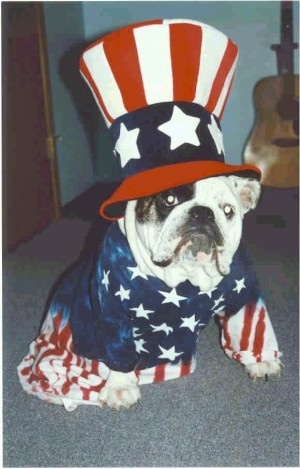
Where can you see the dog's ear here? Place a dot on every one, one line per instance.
(247, 191)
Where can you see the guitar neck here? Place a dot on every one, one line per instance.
(285, 50)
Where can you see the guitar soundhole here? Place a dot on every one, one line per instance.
(288, 108)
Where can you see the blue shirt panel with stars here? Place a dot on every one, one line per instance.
(130, 320)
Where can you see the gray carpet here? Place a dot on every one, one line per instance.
(216, 417)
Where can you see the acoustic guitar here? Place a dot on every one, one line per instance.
(273, 145)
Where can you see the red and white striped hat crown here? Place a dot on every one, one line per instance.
(151, 71)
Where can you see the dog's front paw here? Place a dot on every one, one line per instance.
(264, 369)
(120, 390)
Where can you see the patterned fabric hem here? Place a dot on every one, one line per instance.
(71, 380)
(247, 357)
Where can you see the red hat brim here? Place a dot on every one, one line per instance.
(153, 181)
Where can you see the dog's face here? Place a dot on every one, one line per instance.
(192, 231)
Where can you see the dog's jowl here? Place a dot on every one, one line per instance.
(173, 257)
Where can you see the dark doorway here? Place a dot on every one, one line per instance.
(30, 182)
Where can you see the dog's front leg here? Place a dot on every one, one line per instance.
(249, 338)
(120, 390)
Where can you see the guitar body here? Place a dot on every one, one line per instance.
(273, 145)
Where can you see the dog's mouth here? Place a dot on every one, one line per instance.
(201, 247)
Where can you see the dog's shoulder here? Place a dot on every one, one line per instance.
(240, 286)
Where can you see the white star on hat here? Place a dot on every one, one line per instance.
(105, 280)
(126, 145)
(141, 312)
(170, 353)
(190, 323)
(123, 294)
(172, 297)
(181, 128)
(216, 135)
(240, 284)
(136, 272)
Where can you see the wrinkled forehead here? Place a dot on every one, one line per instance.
(203, 192)
(212, 190)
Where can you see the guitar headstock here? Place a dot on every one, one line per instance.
(284, 50)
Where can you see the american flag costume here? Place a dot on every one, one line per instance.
(107, 314)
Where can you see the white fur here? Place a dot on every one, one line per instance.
(121, 389)
(263, 369)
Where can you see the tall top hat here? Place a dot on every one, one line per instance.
(162, 87)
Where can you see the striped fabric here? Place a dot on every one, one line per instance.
(249, 333)
(54, 373)
(160, 61)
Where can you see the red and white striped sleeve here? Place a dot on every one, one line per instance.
(248, 336)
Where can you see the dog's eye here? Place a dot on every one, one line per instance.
(228, 210)
(170, 199)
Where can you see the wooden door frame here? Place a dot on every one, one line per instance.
(51, 137)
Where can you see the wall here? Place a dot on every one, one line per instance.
(70, 97)
(254, 26)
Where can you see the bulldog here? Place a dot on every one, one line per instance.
(191, 233)
(132, 313)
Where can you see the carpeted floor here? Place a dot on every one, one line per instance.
(216, 417)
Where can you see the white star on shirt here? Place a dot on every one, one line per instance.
(172, 297)
(216, 135)
(218, 301)
(191, 323)
(126, 145)
(135, 332)
(163, 327)
(139, 345)
(170, 353)
(141, 312)
(218, 311)
(181, 128)
(123, 294)
(105, 280)
(136, 272)
(240, 284)
(209, 293)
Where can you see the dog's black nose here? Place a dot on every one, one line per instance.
(201, 213)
